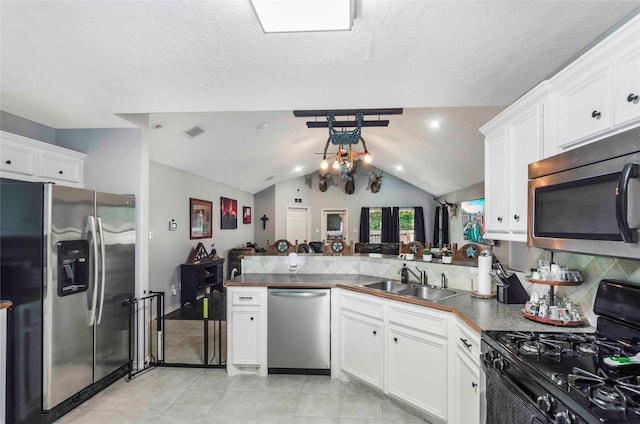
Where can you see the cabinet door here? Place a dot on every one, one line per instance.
(417, 370)
(16, 159)
(585, 106)
(467, 391)
(362, 348)
(52, 166)
(246, 336)
(496, 167)
(525, 146)
(627, 79)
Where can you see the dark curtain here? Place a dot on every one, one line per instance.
(436, 228)
(418, 225)
(386, 235)
(445, 225)
(364, 225)
(395, 225)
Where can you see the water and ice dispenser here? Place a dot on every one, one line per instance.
(73, 267)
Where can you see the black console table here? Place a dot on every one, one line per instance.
(206, 274)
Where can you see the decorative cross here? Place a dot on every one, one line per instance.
(264, 220)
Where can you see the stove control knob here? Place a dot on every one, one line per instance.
(563, 418)
(545, 403)
(498, 363)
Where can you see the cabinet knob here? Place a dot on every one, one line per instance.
(516, 217)
(251, 318)
(474, 384)
(499, 219)
(632, 98)
(375, 332)
(395, 339)
(8, 162)
(60, 172)
(595, 114)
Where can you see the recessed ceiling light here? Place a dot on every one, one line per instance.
(194, 131)
(434, 124)
(157, 126)
(302, 16)
(298, 168)
(262, 126)
(399, 168)
(269, 178)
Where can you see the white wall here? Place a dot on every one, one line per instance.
(394, 192)
(169, 193)
(264, 204)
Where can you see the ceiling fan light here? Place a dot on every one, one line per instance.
(367, 157)
(324, 164)
(336, 165)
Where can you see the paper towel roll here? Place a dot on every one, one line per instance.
(484, 279)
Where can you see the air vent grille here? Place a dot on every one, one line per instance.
(193, 132)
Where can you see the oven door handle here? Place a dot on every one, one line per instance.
(630, 170)
(513, 388)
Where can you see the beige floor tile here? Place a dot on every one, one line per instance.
(360, 406)
(277, 404)
(318, 405)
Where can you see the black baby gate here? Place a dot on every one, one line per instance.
(147, 332)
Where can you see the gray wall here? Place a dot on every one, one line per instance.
(169, 193)
(26, 128)
(264, 204)
(394, 192)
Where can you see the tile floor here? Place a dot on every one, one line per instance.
(184, 342)
(180, 395)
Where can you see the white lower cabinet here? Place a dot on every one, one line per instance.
(468, 388)
(417, 369)
(247, 330)
(362, 347)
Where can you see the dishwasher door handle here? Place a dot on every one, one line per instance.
(298, 294)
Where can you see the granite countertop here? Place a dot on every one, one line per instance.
(5, 304)
(480, 314)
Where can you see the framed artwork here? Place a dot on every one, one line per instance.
(246, 215)
(473, 221)
(228, 213)
(200, 218)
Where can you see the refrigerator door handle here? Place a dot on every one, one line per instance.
(94, 303)
(102, 269)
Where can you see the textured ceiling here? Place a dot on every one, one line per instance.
(78, 64)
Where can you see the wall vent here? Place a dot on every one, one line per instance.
(193, 132)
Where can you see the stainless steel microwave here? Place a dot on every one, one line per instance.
(587, 200)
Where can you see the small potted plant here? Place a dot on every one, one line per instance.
(427, 256)
(445, 255)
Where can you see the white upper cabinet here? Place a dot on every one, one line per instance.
(626, 68)
(24, 159)
(495, 182)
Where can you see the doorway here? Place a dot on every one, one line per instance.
(297, 225)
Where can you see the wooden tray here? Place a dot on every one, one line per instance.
(556, 322)
(553, 282)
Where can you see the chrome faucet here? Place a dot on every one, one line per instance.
(421, 276)
(443, 281)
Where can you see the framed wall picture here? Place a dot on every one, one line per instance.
(200, 212)
(246, 215)
(473, 221)
(228, 213)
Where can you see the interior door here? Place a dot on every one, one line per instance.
(115, 216)
(297, 227)
(67, 330)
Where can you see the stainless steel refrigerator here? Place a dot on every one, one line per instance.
(67, 259)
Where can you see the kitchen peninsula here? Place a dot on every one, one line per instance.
(389, 342)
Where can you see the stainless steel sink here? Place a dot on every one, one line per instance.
(428, 293)
(388, 285)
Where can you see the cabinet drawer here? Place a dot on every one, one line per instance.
(419, 318)
(363, 304)
(246, 297)
(15, 159)
(58, 167)
(468, 342)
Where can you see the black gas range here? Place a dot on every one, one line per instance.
(569, 378)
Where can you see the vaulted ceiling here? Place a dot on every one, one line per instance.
(82, 64)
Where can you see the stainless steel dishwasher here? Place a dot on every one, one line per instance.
(299, 331)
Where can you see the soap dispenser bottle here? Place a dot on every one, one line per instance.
(404, 274)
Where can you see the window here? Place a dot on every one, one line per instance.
(375, 225)
(407, 225)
